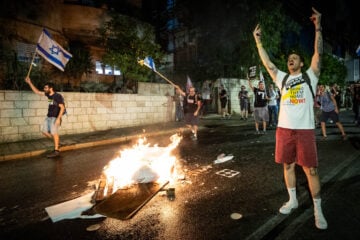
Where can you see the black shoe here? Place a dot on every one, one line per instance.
(53, 154)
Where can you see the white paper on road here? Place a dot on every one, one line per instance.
(223, 159)
(71, 209)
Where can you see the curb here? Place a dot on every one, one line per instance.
(88, 144)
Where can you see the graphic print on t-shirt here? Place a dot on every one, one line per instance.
(295, 92)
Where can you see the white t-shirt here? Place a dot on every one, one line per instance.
(296, 104)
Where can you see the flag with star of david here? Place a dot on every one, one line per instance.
(52, 51)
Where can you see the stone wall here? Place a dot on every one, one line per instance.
(22, 112)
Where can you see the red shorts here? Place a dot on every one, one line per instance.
(296, 146)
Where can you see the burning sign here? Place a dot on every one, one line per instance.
(141, 164)
(134, 177)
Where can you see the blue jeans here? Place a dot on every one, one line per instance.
(273, 111)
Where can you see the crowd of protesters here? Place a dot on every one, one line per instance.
(349, 99)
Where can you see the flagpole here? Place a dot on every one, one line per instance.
(31, 64)
(165, 78)
(151, 65)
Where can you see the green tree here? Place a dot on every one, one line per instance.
(226, 46)
(79, 64)
(126, 40)
(333, 70)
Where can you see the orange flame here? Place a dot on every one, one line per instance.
(142, 163)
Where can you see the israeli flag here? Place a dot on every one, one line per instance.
(149, 62)
(52, 51)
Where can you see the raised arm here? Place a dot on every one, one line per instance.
(318, 44)
(270, 67)
(250, 84)
(180, 90)
(33, 88)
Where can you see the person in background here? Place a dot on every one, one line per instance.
(223, 102)
(336, 92)
(206, 97)
(317, 109)
(52, 122)
(295, 134)
(244, 102)
(348, 101)
(273, 106)
(192, 106)
(261, 111)
(179, 111)
(329, 109)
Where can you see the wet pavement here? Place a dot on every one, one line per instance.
(205, 198)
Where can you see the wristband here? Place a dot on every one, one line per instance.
(319, 29)
(258, 45)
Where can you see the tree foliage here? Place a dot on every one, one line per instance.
(80, 62)
(126, 40)
(226, 47)
(333, 71)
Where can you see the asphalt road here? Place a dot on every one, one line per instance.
(204, 199)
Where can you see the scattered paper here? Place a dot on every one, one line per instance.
(236, 216)
(71, 209)
(222, 158)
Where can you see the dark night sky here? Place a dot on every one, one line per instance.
(340, 20)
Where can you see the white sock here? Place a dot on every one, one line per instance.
(317, 205)
(320, 221)
(292, 194)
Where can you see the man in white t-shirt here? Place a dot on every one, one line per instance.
(295, 135)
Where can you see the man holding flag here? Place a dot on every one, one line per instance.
(56, 109)
(58, 56)
(192, 106)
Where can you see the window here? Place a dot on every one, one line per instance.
(25, 52)
(106, 69)
(99, 68)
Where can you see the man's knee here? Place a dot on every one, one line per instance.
(289, 167)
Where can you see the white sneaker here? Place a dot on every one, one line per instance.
(320, 221)
(288, 207)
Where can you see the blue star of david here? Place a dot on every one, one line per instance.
(54, 50)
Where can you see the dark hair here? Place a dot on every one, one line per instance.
(297, 53)
(50, 85)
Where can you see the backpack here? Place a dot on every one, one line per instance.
(305, 76)
(62, 97)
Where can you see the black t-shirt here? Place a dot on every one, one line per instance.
(54, 101)
(243, 95)
(260, 98)
(190, 103)
(223, 95)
